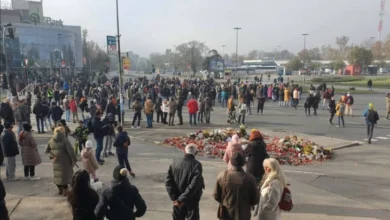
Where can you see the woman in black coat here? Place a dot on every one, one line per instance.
(3, 207)
(256, 152)
(332, 110)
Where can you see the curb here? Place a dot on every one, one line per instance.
(352, 144)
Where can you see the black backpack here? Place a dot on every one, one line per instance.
(371, 116)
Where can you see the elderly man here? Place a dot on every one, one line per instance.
(185, 185)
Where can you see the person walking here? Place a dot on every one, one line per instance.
(236, 191)
(122, 143)
(82, 198)
(66, 107)
(242, 108)
(61, 153)
(10, 150)
(110, 135)
(137, 108)
(388, 106)
(81, 135)
(192, 106)
(73, 109)
(22, 115)
(30, 154)
(272, 186)
(39, 113)
(99, 131)
(56, 114)
(172, 106)
(118, 201)
(349, 102)
(201, 111)
(89, 160)
(148, 109)
(256, 153)
(340, 111)
(332, 110)
(372, 118)
(233, 146)
(208, 104)
(308, 104)
(185, 184)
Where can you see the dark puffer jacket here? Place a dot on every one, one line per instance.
(256, 153)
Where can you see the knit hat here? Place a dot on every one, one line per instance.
(120, 173)
(235, 139)
(255, 134)
(88, 144)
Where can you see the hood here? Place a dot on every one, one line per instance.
(85, 153)
(120, 187)
(123, 134)
(58, 137)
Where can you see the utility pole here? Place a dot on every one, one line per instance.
(120, 64)
(223, 50)
(237, 29)
(304, 46)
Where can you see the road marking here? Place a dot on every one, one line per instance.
(383, 138)
(372, 140)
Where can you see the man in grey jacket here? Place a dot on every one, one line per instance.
(22, 114)
(208, 104)
(172, 110)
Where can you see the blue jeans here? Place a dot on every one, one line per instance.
(20, 127)
(223, 100)
(342, 120)
(99, 147)
(193, 116)
(149, 120)
(40, 127)
(67, 115)
(123, 160)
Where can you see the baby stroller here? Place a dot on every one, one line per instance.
(232, 118)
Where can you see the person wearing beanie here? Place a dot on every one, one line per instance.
(256, 152)
(89, 160)
(118, 201)
(185, 184)
(10, 150)
(233, 147)
(242, 188)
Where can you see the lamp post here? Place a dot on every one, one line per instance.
(223, 50)
(9, 94)
(120, 63)
(237, 29)
(304, 45)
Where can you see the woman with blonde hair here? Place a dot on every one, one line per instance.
(272, 186)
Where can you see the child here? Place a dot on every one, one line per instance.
(62, 123)
(122, 143)
(89, 160)
(242, 108)
(81, 136)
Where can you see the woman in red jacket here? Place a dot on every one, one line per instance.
(192, 106)
(73, 109)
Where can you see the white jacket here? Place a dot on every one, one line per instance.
(269, 201)
(165, 108)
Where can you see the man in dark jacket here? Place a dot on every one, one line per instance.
(10, 150)
(184, 184)
(99, 131)
(6, 111)
(208, 103)
(56, 113)
(179, 109)
(3, 207)
(118, 201)
(122, 143)
(39, 115)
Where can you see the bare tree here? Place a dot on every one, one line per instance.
(253, 55)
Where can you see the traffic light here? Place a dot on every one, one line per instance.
(10, 31)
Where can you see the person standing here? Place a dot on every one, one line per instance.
(349, 102)
(148, 109)
(122, 143)
(295, 97)
(66, 107)
(233, 146)
(22, 115)
(61, 153)
(369, 84)
(110, 136)
(236, 191)
(30, 154)
(286, 96)
(99, 131)
(260, 104)
(10, 150)
(388, 106)
(185, 185)
(372, 118)
(89, 160)
(158, 108)
(3, 207)
(56, 114)
(137, 108)
(332, 110)
(208, 103)
(272, 186)
(340, 111)
(180, 104)
(172, 110)
(256, 153)
(192, 106)
(308, 104)
(39, 115)
(81, 135)
(242, 108)
(73, 109)
(201, 109)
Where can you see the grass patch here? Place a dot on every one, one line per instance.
(333, 79)
(379, 82)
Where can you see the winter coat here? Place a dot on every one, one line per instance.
(201, 105)
(338, 112)
(22, 113)
(92, 110)
(388, 104)
(30, 154)
(120, 139)
(256, 153)
(270, 92)
(208, 103)
(148, 107)
(269, 201)
(230, 104)
(56, 113)
(73, 105)
(286, 95)
(241, 193)
(192, 106)
(85, 206)
(9, 144)
(111, 108)
(137, 107)
(118, 202)
(61, 151)
(332, 107)
(99, 128)
(158, 105)
(172, 107)
(185, 181)
(6, 112)
(3, 208)
(230, 150)
(89, 160)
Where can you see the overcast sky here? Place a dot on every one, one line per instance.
(154, 25)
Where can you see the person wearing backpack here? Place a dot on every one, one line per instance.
(272, 189)
(340, 111)
(372, 117)
(349, 102)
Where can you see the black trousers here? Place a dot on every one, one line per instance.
(164, 119)
(186, 212)
(171, 118)
(137, 115)
(29, 171)
(370, 131)
(3, 211)
(180, 115)
(159, 116)
(260, 107)
(331, 117)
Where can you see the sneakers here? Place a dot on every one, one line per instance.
(26, 178)
(111, 154)
(35, 178)
(132, 126)
(13, 178)
(138, 127)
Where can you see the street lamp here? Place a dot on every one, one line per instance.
(223, 50)
(237, 29)
(120, 63)
(304, 45)
(9, 94)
